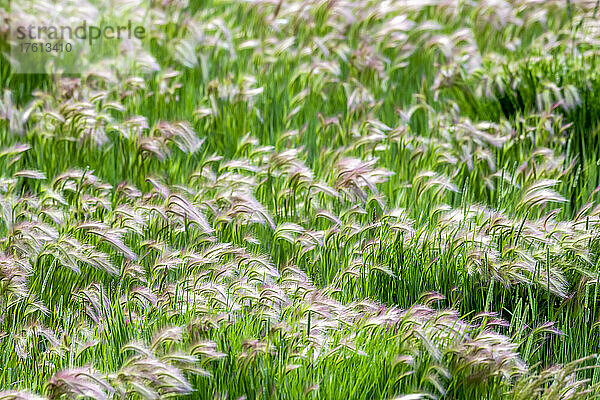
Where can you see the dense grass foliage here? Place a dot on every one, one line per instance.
(307, 199)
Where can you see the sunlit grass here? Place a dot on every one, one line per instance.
(342, 200)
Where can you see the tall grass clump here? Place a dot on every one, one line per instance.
(306, 199)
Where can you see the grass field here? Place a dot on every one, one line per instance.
(306, 199)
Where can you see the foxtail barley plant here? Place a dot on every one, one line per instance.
(305, 199)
